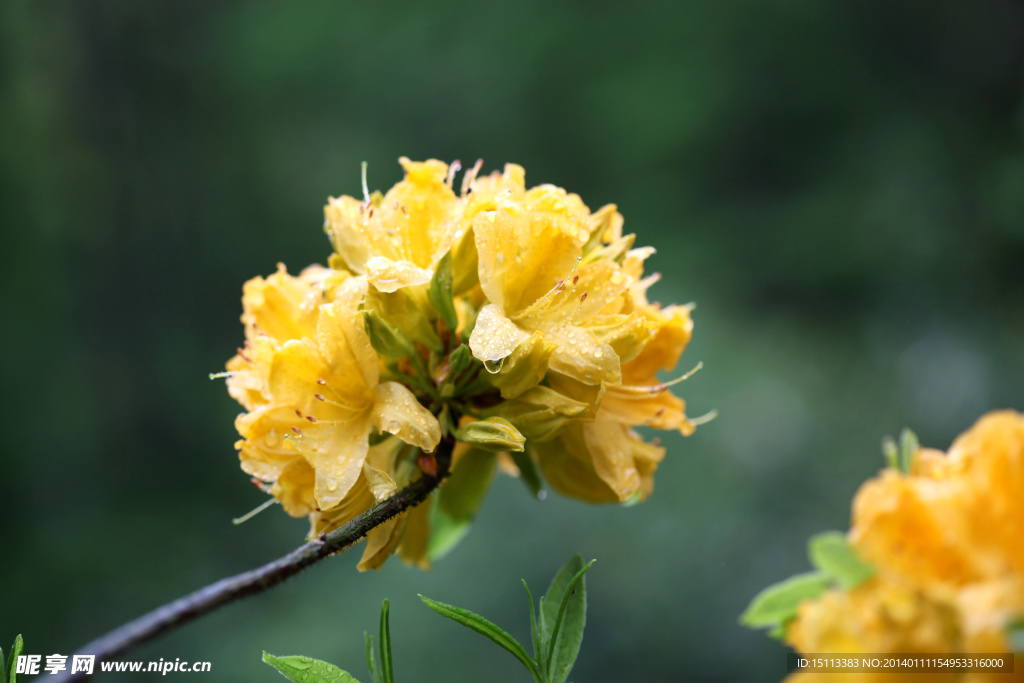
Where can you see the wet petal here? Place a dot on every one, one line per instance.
(397, 412)
(387, 275)
(494, 336)
(341, 337)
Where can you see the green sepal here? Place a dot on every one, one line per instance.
(12, 663)
(831, 554)
(386, 339)
(778, 603)
(485, 628)
(567, 595)
(457, 502)
(387, 673)
(440, 292)
(308, 670)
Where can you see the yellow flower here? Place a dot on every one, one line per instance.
(947, 544)
(396, 240)
(323, 397)
(563, 355)
(530, 246)
(605, 460)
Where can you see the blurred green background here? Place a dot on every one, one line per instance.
(838, 185)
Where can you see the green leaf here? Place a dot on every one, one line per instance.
(528, 473)
(908, 446)
(484, 628)
(1015, 635)
(534, 630)
(385, 643)
(3, 662)
(831, 554)
(440, 292)
(891, 452)
(308, 670)
(458, 501)
(12, 663)
(778, 603)
(371, 659)
(567, 595)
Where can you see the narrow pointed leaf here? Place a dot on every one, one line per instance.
(440, 292)
(308, 670)
(567, 630)
(778, 603)
(12, 663)
(484, 628)
(831, 554)
(908, 447)
(371, 659)
(534, 628)
(385, 643)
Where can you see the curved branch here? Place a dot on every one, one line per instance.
(205, 600)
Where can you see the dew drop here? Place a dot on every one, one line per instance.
(493, 366)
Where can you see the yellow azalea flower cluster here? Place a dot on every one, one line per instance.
(946, 541)
(512, 318)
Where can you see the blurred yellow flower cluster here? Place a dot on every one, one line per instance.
(513, 319)
(946, 540)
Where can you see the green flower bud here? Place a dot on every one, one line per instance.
(386, 339)
(493, 434)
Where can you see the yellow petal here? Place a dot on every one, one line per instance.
(387, 275)
(294, 488)
(381, 542)
(523, 254)
(397, 412)
(569, 469)
(525, 367)
(345, 223)
(342, 339)
(494, 336)
(415, 544)
(278, 306)
(580, 355)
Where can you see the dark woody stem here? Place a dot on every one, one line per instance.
(194, 605)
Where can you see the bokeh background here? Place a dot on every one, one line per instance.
(838, 185)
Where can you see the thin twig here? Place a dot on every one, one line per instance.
(205, 600)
